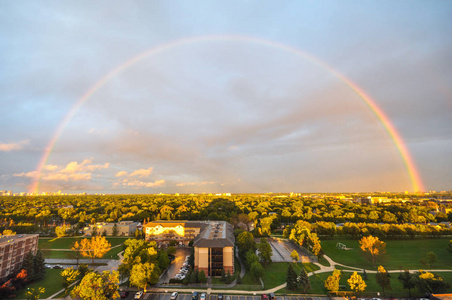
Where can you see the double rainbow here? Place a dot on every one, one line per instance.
(377, 111)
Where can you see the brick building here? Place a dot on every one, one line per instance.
(13, 249)
(213, 242)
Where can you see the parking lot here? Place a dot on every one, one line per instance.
(166, 296)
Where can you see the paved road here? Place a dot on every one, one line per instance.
(166, 296)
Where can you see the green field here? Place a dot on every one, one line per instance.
(400, 254)
(48, 246)
(52, 283)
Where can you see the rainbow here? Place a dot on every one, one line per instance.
(377, 111)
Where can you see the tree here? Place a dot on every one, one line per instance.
(163, 260)
(97, 246)
(303, 281)
(356, 283)
(294, 255)
(265, 251)
(228, 277)
(69, 276)
(95, 286)
(257, 270)
(291, 278)
(250, 258)
(429, 259)
(202, 277)
(28, 265)
(76, 247)
(407, 280)
(115, 230)
(430, 283)
(144, 274)
(245, 242)
(33, 294)
(373, 246)
(39, 265)
(60, 231)
(383, 279)
(332, 282)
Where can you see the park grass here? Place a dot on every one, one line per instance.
(52, 283)
(66, 242)
(50, 247)
(400, 254)
(318, 282)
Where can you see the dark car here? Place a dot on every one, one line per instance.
(195, 296)
(123, 294)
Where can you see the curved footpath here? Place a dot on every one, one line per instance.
(113, 265)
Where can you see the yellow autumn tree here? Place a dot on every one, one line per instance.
(373, 246)
(356, 283)
(97, 246)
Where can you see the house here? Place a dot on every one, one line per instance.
(124, 228)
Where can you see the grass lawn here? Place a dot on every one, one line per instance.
(400, 254)
(66, 242)
(52, 283)
(318, 281)
(48, 244)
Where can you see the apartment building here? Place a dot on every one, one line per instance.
(13, 249)
(213, 242)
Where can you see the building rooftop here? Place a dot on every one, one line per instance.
(11, 238)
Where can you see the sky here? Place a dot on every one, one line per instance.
(225, 96)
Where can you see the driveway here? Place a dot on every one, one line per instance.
(177, 263)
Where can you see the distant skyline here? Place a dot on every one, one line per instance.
(239, 97)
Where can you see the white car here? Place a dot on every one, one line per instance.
(138, 295)
(174, 296)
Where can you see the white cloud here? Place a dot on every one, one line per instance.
(14, 146)
(195, 183)
(73, 171)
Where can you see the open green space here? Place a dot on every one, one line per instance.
(276, 273)
(52, 283)
(50, 247)
(318, 282)
(400, 254)
(66, 242)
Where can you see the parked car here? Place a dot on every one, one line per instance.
(174, 296)
(195, 296)
(138, 295)
(203, 296)
(123, 294)
(264, 297)
(220, 297)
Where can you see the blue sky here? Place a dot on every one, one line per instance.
(222, 115)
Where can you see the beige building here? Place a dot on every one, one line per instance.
(213, 242)
(125, 228)
(13, 249)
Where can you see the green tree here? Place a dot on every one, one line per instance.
(332, 282)
(69, 276)
(383, 279)
(163, 260)
(245, 242)
(250, 258)
(407, 280)
(115, 230)
(291, 278)
(265, 251)
(294, 255)
(95, 286)
(257, 270)
(373, 246)
(228, 277)
(429, 259)
(431, 283)
(33, 294)
(202, 277)
(28, 265)
(144, 274)
(39, 265)
(303, 281)
(356, 283)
